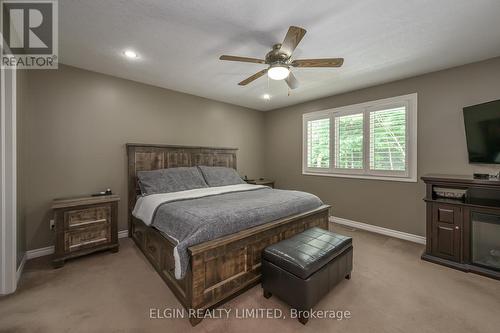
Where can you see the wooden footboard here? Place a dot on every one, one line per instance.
(224, 267)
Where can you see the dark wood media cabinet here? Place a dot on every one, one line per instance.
(454, 229)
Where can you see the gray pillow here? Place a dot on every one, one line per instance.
(170, 180)
(220, 176)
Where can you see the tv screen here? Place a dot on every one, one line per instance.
(482, 130)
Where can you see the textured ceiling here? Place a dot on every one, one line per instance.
(179, 42)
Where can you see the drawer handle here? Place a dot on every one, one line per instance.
(457, 227)
(88, 242)
(88, 222)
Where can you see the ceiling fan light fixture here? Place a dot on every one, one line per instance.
(278, 72)
(280, 60)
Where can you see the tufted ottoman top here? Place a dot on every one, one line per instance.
(307, 252)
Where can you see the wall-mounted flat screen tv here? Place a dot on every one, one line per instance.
(482, 130)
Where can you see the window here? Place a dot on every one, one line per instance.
(376, 140)
(349, 141)
(388, 139)
(318, 143)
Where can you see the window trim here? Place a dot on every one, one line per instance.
(410, 175)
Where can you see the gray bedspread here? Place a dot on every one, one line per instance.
(194, 221)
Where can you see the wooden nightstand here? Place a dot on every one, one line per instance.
(261, 181)
(84, 225)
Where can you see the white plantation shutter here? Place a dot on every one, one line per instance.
(388, 139)
(349, 141)
(318, 143)
(373, 140)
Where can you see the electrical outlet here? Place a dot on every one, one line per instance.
(52, 224)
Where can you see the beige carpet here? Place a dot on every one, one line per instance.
(391, 290)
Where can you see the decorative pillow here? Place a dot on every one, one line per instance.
(170, 180)
(220, 176)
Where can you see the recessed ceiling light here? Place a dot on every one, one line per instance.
(266, 97)
(130, 54)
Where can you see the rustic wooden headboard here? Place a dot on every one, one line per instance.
(153, 156)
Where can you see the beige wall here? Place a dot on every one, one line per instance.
(77, 122)
(441, 145)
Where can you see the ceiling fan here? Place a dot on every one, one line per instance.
(280, 60)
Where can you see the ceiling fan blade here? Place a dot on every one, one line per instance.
(253, 77)
(292, 81)
(243, 59)
(328, 62)
(292, 39)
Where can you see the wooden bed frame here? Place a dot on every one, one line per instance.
(219, 269)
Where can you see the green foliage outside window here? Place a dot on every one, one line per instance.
(388, 139)
(349, 141)
(318, 142)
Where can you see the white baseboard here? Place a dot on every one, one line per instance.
(379, 230)
(21, 267)
(45, 251)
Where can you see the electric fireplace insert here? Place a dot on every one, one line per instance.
(486, 240)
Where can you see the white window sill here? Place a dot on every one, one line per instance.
(341, 175)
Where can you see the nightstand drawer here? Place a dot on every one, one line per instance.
(88, 237)
(87, 217)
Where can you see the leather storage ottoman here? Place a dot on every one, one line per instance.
(302, 269)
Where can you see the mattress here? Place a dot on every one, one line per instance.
(196, 216)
